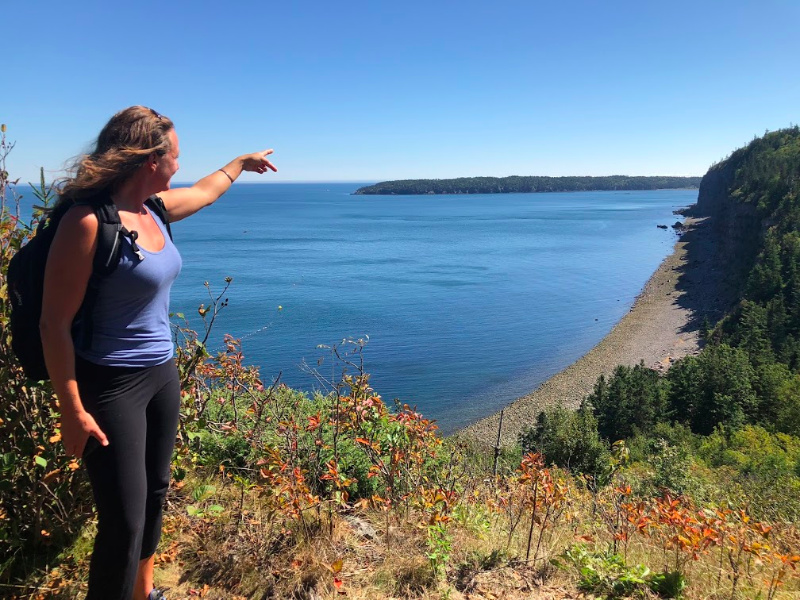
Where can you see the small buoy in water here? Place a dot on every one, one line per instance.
(280, 307)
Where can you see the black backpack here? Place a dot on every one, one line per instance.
(25, 278)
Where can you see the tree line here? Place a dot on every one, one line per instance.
(526, 185)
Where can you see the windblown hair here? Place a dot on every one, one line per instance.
(125, 143)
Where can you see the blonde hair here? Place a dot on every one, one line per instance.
(125, 143)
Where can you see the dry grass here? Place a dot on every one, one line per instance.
(254, 554)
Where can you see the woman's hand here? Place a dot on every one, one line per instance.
(76, 428)
(257, 162)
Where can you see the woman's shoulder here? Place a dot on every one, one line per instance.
(79, 220)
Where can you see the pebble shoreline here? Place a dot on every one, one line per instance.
(661, 327)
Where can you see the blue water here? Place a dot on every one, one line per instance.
(468, 301)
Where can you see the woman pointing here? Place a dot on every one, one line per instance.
(117, 385)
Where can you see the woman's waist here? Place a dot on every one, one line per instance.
(131, 351)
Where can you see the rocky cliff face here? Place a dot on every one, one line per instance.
(736, 225)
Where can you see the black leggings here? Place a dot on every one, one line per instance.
(137, 409)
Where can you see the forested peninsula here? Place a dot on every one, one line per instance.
(525, 185)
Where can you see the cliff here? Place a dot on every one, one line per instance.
(743, 195)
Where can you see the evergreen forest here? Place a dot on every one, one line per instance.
(525, 185)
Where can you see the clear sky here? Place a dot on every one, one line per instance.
(376, 90)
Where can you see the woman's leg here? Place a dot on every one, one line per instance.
(144, 578)
(117, 398)
(162, 425)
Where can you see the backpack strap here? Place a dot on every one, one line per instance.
(109, 239)
(106, 259)
(156, 204)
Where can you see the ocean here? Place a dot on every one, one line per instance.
(465, 302)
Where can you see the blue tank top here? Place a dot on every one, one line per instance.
(131, 316)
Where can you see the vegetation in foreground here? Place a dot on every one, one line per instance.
(278, 494)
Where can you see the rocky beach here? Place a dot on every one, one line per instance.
(662, 326)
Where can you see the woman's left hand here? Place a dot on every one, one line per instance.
(257, 162)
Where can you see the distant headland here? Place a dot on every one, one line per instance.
(526, 185)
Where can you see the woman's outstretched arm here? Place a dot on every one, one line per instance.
(183, 202)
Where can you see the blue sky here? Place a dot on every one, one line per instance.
(368, 91)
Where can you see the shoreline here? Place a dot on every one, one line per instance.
(662, 326)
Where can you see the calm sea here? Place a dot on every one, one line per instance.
(468, 301)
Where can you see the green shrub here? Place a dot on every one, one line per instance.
(645, 443)
(632, 399)
(787, 408)
(569, 439)
(713, 388)
(44, 497)
(671, 466)
(752, 450)
(773, 386)
(666, 458)
(608, 576)
(765, 468)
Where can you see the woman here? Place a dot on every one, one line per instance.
(119, 396)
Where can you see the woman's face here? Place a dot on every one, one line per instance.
(167, 165)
